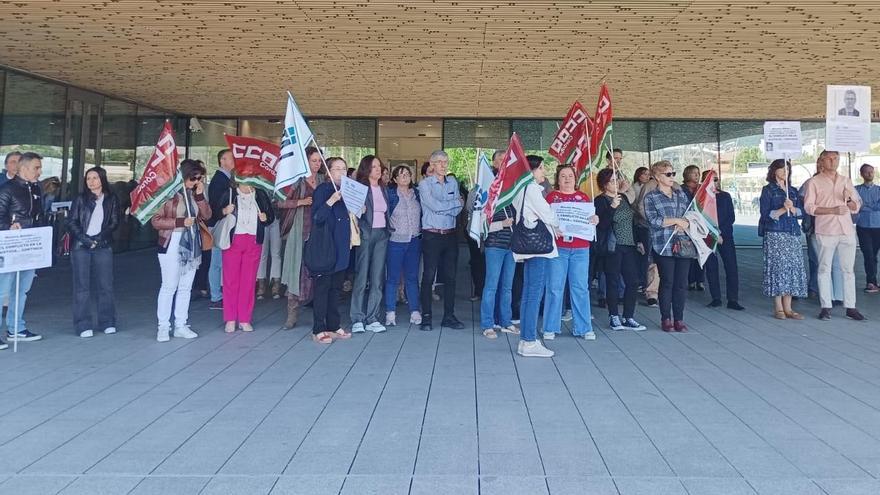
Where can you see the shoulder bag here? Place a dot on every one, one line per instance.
(223, 228)
(534, 241)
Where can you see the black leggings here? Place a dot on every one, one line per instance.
(673, 285)
(325, 302)
(624, 261)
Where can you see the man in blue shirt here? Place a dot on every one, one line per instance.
(727, 250)
(441, 204)
(868, 225)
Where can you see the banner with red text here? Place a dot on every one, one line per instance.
(160, 180)
(600, 140)
(256, 162)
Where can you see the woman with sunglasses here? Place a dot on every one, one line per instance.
(180, 250)
(404, 245)
(665, 207)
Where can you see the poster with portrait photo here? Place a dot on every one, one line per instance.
(848, 118)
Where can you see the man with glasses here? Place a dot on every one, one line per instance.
(726, 249)
(441, 204)
(832, 199)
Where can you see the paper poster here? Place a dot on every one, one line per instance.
(782, 139)
(25, 249)
(848, 118)
(354, 194)
(574, 219)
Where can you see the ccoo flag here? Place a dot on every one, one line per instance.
(569, 133)
(514, 175)
(704, 203)
(293, 163)
(477, 226)
(255, 162)
(600, 140)
(160, 180)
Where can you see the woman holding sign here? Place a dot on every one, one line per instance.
(253, 214)
(572, 264)
(180, 250)
(94, 215)
(616, 244)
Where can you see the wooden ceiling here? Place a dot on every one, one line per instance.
(661, 59)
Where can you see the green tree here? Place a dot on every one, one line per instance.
(743, 157)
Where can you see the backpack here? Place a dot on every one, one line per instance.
(319, 252)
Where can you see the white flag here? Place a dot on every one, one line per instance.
(293, 163)
(481, 195)
(698, 230)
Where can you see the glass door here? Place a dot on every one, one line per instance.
(84, 121)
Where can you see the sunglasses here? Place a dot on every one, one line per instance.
(668, 174)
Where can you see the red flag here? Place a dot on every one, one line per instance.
(704, 200)
(513, 175)
(583, 153)
(569, 132)
(600, 136)
(160, 180)
(255, 161)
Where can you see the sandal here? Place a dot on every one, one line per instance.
(230, 327)
(794, 315)
(246, 327)
(780, 315)
(340, 334)
(511, 330)
(322, 338)
(489, 333)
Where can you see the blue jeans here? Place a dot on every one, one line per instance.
(534, 281)
(215, 274)
(572, 264)
(405, 256)
(499, 280)
(7, 289)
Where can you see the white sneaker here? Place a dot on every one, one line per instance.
(519, 347)
(515, 322)
(376, 327)
(3, 345)
(85, 334)
(184, 332)
(110, 330)
(567, 315)
(534, 349)
(591, 335)
(390, 319)
(415, 318)
(162, 335)
(549, 335)
(357, 327)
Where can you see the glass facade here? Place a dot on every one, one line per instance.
(76, 129)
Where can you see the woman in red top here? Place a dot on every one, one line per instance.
(573, 263)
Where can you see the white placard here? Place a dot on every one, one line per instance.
(25, 249)
(61, 205)
(574, 219)
(848, 118)
(782, 139)
(354, 194)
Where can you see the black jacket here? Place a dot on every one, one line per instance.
(81, 213)
(24, 201)
(218, 187)
(263, 203)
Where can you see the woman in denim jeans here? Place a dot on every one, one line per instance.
(404, 246)
(532, 207)
(572, 264)
(497, 294)
(94, 215)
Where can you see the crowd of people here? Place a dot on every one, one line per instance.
(234, 244)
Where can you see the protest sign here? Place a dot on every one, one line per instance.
(782, 139)
(574, 219)
(25, 249)
(354, 194)
(848, 118)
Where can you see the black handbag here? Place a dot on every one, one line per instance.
(319, 252)
(537, 240)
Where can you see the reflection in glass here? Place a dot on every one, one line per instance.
(33, 120)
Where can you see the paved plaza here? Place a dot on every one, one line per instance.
(742, 404)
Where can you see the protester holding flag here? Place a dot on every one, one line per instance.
(404, 245)
(690, 184)
(619, 254)
(726, 249)
(674, 251)
(532, 212)
(296, 223)
(572, 265)
(370, 259)
(253, 214)
(784, 274)
(94, 215)
(180, 250)
(328, 207)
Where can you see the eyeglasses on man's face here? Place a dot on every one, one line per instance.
(668, 174)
